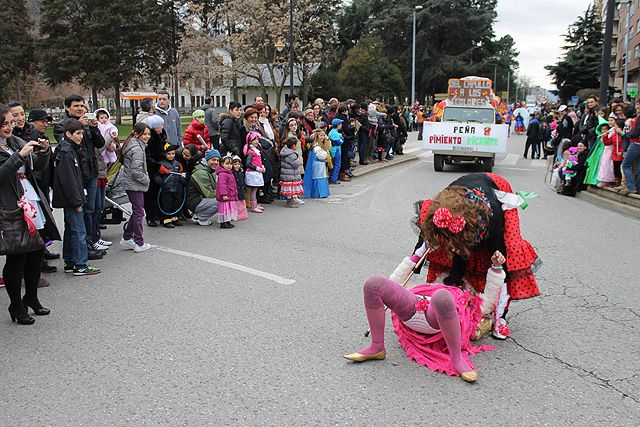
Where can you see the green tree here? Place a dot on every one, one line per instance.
(580, 66)
(365, 73)
(103, 45)
(454, 38)
(503, 64)
(17, 44)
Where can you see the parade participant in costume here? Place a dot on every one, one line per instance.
(519, 128)
(337, 140)
(254, 169)
(464, 257)
(316, 180)
(593, 161)
(290, 179)
(434, 323)
(238, 174)
(226, 192)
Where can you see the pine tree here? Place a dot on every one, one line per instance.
(18, 56)
(101, 44)
(580, 66)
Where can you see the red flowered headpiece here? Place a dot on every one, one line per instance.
(443, 218)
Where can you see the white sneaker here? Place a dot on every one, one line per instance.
(98, 247)
(128, 244)
(142, 248)
(105, 242)
(203, 222)
(300, 201)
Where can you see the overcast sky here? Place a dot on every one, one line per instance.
(537, 28)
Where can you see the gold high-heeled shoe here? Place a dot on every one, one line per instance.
(359, 357)
(469, 376)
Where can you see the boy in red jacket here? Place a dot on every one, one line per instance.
(197, 132)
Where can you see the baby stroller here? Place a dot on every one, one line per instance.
(115, 198)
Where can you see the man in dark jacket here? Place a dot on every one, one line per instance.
(349, 140)
(589, 122)
(230, 137)
(92, 140)
(533, 136)
(69, 194)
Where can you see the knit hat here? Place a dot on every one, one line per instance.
(336, 122)
(252, 135)
(198, 115)
(210, 154)
(169, 147)
(154, 122)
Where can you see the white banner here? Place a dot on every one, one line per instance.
(465, 137)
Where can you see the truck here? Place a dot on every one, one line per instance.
(467, 132)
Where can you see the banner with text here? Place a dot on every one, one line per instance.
(465, 137)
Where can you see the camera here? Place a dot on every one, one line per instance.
(90, 116)
(39, 147)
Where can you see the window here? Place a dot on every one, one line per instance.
(217, 100)
(636, 52)
(244, 99)
(266, 99)
(182, 101)
(224, 101)
(193, 101)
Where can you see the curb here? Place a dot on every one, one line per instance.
(609, 203)
(364, 170)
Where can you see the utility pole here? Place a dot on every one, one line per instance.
(606, 53)
(508, 83)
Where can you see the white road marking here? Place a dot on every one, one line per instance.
(510, 160)
(244, 269)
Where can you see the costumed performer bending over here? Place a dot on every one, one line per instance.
(486, 201)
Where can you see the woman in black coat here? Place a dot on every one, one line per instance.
(17, 161)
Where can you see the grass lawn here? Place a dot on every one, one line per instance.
(123, 130)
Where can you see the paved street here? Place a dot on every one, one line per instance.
(178, 336)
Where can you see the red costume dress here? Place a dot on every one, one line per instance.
(504, 235)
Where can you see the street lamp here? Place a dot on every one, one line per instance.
(413, 58)
(279, 44)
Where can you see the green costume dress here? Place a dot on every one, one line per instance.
(593, 161)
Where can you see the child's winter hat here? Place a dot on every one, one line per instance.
(236, 159)
(154, 122)
(197, 113)
(252, 135)
(336, 122)
(210, 154)
(169, 147)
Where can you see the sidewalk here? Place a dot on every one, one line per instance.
(412, 149)
(608, 198)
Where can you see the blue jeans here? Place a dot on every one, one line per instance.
(89, 209)
(335, 172)
(631, 157)
(74, 242)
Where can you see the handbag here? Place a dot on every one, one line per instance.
(14, 234)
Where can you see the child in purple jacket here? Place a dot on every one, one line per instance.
(226, 193)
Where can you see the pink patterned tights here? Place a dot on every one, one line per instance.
(441, 314)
